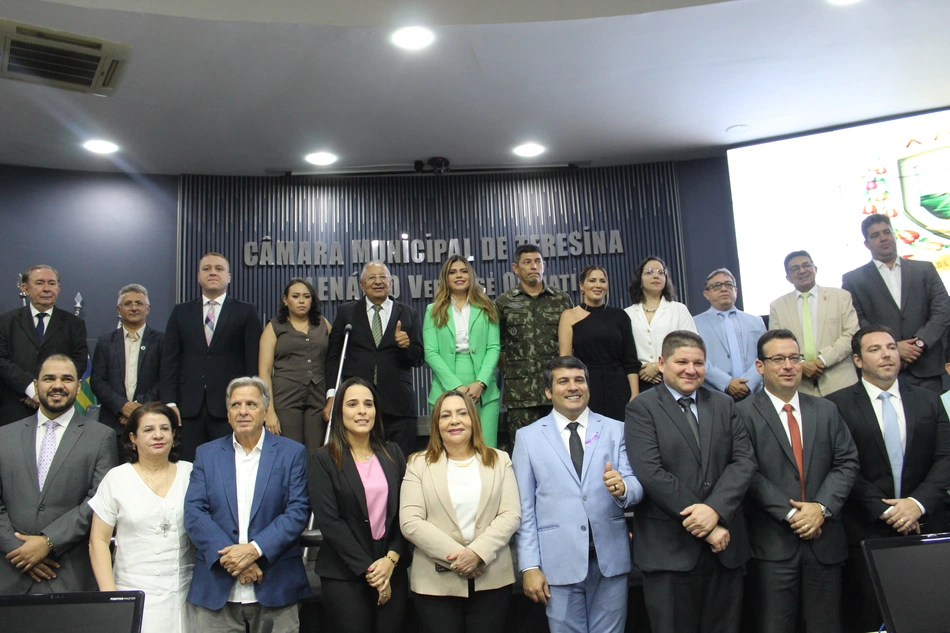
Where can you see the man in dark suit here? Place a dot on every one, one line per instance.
(385, 344)
(51, 464)
(693, 457)
(903, 439)
(30, 334)
(125, 364)
(794, 504)
(907, 296)
(208, 342)
(245, 508)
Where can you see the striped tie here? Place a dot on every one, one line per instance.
(47, 451)
(209, 322)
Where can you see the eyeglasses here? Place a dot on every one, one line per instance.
(660, 272)
(796, 359)
(794, 270)
(721, 284)
(376, 278)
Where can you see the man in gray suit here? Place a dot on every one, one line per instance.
(693, 457)
(50, 465)
(794, 505)
(907, 296)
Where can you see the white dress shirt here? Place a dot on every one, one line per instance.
(461, 316)
(891, 277)
(31, 388)
(384, 314)
(465, 490)
(562, 423)
(217, 309)
(246, 466)
(60, 430)
(898, 404)
(648, 337)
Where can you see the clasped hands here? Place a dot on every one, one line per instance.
(466, 563)
(807, 520)
(703, 522)
(32, 558)
(903, 515)
(240, 561)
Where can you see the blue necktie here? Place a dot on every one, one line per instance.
(735, 352)
(892, 440)
(40, 327)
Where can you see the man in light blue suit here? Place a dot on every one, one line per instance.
(574, 479)
(245, 508)
(730, 336)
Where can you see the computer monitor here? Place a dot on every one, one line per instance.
(909, 580)
(89, 612)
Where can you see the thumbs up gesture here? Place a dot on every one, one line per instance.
(613, 481)
(402, 339)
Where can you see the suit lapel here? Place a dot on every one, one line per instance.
(28, 446)
(229, 477)
(392, 499)
(264, 469)
(487, 476)
(70, 437)
(678, 417)
(553, 436)
(809, 428)
(355, 482)
(595, 426)
(764, 406)
(226, 309)
(118, 351)
(822, 312)
(439, 474)
(718, 324)
(25, 319)
(870, 419)
(910, 417)
(147, 339)
(707, 419)
(877, 281)
(905, 284)
(389, 334)
(54, 324)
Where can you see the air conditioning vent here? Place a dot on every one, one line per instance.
(59, 59)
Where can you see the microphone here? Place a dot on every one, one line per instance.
(267, 626)
(348, 328)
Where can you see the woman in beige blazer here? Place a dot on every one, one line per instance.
(459, 507)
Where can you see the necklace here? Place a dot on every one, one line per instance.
(362, 458)
(650, 310)
(165, 525)
(463, 463)
(151, 480)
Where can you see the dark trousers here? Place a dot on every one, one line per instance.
(481, 612)
(202, 428)
(800, 588)
(706, 599)
(402, 431)
(351, 605)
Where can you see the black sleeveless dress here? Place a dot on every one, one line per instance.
(604, 341)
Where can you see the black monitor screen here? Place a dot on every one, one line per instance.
(105, 612)
(909, 577)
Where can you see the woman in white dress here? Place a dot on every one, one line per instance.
(654, 314)
(143, 501)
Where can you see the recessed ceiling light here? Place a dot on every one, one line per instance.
(528, 150)
(843, 2)
(737, 129)
(101, 147)
(413, 37)
(320, 158)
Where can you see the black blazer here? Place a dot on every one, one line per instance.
(339, 508)
(191, 369)
(108, 372)
(20, 354)
(926, 473)
(830, 465)
(675, 474)
(392, 364)
(924, 311)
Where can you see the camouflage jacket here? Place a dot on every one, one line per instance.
(529, 341)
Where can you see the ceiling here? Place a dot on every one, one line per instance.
(242, 87)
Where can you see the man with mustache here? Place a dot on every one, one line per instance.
(903, 437)
(51, 464)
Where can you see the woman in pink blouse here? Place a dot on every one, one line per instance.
(354, 493)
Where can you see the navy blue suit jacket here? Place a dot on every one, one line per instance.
(108, 372)
(279, 514)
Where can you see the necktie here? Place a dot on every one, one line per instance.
(732, 337)
(577, 448)
(892, 440)
(808, 330)
(693, 424)
(47, 451)
(377, 325)
(40, 327)
(796, 437)
(209, 322)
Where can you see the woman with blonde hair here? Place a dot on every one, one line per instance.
(462, 341)
(460, 507)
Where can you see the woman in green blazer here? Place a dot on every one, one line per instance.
(462, 342)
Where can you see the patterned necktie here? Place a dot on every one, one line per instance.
(892, 440)
(577, 448)
(796, 437)
(732, 337)
(209, 322)
(40, 327)
(808, 330)
(47, 451)
(377, 325)
(685, 404)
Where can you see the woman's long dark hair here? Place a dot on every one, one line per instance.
(338, 444)
(636, 284)
(314, 315)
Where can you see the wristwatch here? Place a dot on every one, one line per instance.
(825, 512)
(919, 343)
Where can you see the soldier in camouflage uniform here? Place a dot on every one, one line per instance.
(529, 314)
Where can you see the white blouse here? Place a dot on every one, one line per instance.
(669, 317)
(465, 489)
